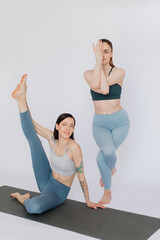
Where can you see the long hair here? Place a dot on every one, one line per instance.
(111, 46)
(59, 119)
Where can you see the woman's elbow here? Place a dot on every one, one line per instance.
(95, 86)
(85, 75)
(105, 91)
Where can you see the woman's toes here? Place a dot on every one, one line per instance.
(23, 79)
(13, 195)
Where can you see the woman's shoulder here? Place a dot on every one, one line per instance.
(73, 145)
(119, 70)
(88, 73)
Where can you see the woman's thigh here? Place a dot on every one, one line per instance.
(119, 134)
(42, 203)
(103, 137)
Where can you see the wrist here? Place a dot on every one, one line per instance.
(98, 60)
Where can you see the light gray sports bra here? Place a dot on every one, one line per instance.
(62, 165)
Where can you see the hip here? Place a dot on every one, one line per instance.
(59, 188)
(111, 121)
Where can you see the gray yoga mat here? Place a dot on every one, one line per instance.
(110, 224)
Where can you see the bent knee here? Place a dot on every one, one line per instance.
(109, 153)
(33, 208)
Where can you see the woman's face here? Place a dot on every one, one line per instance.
(66, 127)
(107, 53)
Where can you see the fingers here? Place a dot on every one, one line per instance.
(103, 207)
(99, 46)
(93, 46)
(98, 205)
(99, 42)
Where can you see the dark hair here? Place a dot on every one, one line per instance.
(60, 119)
(111, 46)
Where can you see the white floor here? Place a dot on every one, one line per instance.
(16, 228)
(12, 227)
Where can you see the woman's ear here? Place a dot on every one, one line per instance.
(57, 126)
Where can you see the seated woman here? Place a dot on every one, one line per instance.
(54, 182)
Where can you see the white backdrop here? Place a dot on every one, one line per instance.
(51, 41)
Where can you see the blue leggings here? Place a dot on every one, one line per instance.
(53, 193)
(109, 132)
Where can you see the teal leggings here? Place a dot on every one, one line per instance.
(109, 132)
(53, 193)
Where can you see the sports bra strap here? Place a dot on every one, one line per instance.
(110, 71)
(66, 147)
(55, 143)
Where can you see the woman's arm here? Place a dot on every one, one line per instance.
(96, 78)
(93, 77)
(117, 76)
(103, 86)
(77, 157)
(44, 132)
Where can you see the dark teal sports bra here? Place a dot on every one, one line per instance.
(114, 92)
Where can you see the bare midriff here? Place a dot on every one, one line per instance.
(66, 180)
(107, 106)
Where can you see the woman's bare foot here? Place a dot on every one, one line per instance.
(101, 182)
(19, 197)
(106, 197)
(113, 171)
(19, 93)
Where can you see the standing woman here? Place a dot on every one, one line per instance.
(110, 121)
(54, 182)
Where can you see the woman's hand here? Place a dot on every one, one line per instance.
(98, 51)
(95, 205)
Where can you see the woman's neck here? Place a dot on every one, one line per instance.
(62, 141)
(107, 67)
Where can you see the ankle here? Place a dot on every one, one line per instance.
(107, 191)
(22, 105)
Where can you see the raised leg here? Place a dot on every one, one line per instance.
(40, 161)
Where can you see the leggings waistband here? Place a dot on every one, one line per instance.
(112, 120)
(110, 114)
